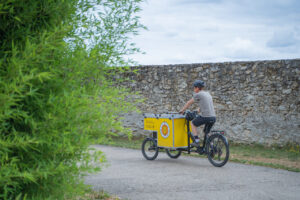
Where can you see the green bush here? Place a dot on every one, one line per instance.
(56, 97)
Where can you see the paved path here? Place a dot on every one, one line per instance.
(130, 176)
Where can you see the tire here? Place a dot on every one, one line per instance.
(217, 149)
(149, 149)
(173, 154)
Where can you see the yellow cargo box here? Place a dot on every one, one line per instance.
(171, 129)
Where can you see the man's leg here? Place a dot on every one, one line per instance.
(194, 130)
(198, 121)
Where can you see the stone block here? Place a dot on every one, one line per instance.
(287, 91)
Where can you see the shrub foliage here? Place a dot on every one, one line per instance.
(55, 94)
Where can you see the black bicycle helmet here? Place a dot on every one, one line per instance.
(199, 84)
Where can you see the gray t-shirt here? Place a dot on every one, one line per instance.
(205, 102)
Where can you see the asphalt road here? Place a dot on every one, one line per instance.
(130, 176)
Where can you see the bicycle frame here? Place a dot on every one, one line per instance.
(189, 134)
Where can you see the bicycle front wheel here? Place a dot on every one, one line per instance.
(149, 149)
(217, 149)
(173, 153)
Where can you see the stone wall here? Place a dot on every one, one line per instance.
(254, 101)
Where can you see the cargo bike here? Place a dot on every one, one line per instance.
(172, 132)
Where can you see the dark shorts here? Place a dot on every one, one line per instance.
(199, 120)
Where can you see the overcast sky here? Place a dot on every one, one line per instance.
(198, 31)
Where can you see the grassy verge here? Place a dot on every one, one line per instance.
(97, 195)
(287, 157)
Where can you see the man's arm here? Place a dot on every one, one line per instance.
(190, 102)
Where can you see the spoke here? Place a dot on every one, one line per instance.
(219, 154)
(216, 143)
(212, 145)
(220, 143)
(151, 147)
(217, 146)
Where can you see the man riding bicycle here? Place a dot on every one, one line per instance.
(206, 109)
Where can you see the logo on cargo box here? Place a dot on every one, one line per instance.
(164, 130)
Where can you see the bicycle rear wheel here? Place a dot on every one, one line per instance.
(149, 149)
(217, 149)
